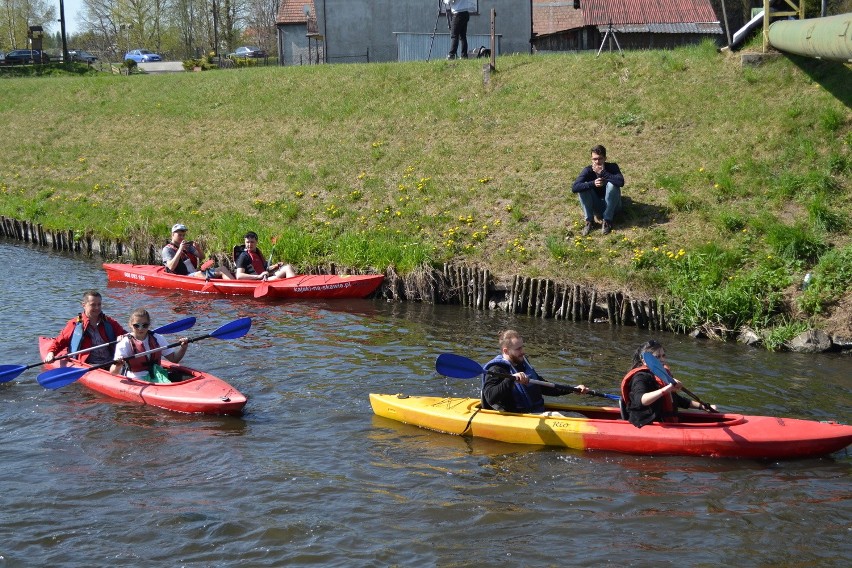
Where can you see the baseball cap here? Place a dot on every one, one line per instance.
(178, 227)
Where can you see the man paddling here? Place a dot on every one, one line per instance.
(184, 257)
(509, 388)
(251, 264)
(90, 328)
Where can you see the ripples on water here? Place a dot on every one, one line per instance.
(309, 476)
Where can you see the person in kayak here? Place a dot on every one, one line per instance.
(509, 389)
(184, 257)
(251, 265)
(144, 367)
(647, 398)
(90, 328)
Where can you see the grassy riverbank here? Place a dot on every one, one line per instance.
(737, 178)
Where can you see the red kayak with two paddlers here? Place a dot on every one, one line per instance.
(185, 390)
(303, 286)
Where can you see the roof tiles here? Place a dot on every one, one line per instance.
(293, 11)
(550, 16)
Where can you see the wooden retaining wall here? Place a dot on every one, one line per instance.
(451, 284)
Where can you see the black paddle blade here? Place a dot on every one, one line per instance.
(457, 367)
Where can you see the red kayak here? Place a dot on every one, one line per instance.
(306, 286)
(197, 393)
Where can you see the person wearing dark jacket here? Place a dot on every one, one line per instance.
(508, 387)
(599, 188)
(648, 398)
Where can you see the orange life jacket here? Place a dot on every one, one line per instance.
(668, 403)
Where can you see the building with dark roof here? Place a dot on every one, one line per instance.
(636, 24)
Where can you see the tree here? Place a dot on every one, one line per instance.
(16, 17)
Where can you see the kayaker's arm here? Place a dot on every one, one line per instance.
(176, 356)
(498, 386)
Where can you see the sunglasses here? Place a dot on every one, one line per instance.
(141, 325)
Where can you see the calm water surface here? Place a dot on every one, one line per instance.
(310, 477)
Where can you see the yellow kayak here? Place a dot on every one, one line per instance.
(601, 428)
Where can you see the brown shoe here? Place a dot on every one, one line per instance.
(607, 227)
(587, 229)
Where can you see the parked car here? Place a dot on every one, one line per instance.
(248, 51)
(142, 56)
(23, 56)
(80, 55)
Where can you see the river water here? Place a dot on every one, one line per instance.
(310, 477)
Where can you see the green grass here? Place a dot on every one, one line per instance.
(401, 165)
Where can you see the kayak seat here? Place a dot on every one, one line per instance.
(238, 250)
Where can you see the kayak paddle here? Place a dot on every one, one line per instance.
(9, 372)
(655, 366)
(262, 289)
(458, 367)
(58, 378)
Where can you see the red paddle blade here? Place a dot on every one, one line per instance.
(261, 290)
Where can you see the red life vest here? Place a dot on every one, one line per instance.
(143, 364)
(257, 261)
(181, 267)
(668, 402)
(80, 338)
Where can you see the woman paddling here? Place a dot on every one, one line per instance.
(647, 397)
(144, 367)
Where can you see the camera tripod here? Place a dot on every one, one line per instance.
(435, 31)
(610, 33)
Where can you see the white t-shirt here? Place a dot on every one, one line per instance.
(124, 350)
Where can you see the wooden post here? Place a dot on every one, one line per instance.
(493, 64)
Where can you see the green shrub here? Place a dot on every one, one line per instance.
(776, 337)
(831, 278)
(823, 216)
(794, 244)
(731, 222)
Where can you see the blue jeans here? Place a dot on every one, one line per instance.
(605, 208)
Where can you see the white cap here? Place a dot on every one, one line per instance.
(178, 227)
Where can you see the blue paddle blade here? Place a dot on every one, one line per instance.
(457, 367)
(177, 326)
(58, 378)
(9, 372)
(603, 395)
(232, 330)
(656, 367)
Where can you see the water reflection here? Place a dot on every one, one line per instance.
(309, 476)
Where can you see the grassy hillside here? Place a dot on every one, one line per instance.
(737, 178)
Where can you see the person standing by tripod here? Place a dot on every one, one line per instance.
(459, 13)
